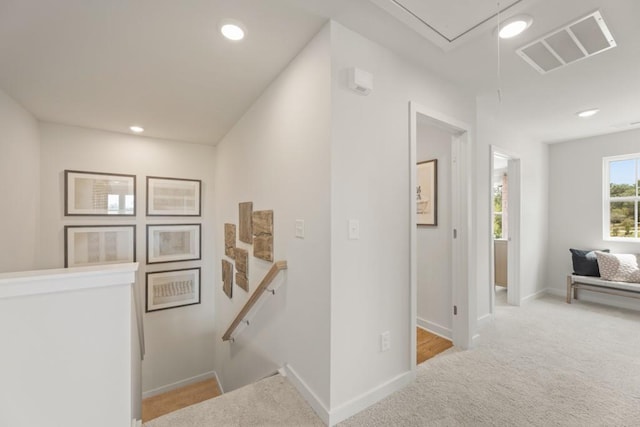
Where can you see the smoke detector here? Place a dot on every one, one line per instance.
(577, 40)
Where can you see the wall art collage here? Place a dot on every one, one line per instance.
(109, 195)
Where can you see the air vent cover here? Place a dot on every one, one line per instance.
(580, 39)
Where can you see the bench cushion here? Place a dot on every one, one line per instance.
(596, 281)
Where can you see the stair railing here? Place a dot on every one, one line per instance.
(255, 297)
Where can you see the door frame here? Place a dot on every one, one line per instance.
(463, 269)
(513, 246)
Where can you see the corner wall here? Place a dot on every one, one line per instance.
(534, 209)
(575, 198)
(370, 172)
(277, 156)
(19, 186)
(179, 341)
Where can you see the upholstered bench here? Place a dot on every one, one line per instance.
(597, 284)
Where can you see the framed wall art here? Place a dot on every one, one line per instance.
(427, 192)
(172, 288)
(99, 194)
(102, 244)
(173, 196)
(173, 242)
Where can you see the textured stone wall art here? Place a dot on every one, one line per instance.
(242, 268)
(245, 212)
(230, 240)
(227, 277)
(263, 235)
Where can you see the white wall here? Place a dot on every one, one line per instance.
(19, 186)
(179, 341)
(277, 156)
(434, 290)
(66, 356)
(534, 171)
(575, 200)
(370, 277)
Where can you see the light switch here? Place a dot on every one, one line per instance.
(354, 229)
(300, 228)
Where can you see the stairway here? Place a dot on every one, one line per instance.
(272, 401)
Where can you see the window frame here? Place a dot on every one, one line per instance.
(498, 187)
(607, 200)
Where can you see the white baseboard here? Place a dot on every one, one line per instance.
(533, 296)
(434, 328)
(219, 382)
(556, 292)
(370, 397)
(182, 383)
(352, 407)
(484, 320)
(312, 399)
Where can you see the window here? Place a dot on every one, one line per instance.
(500, 207)
(621, 197)
(497, 211)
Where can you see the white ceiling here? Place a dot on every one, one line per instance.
(108, 64)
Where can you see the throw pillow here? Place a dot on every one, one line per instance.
(585, 262)
(619, 267)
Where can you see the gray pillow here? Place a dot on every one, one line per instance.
(585, 262)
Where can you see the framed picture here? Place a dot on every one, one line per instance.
(99, 194)
(173, 288)
(173, 242)
(173, 197)
(102, 244)
(427, 192)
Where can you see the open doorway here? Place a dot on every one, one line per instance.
(505, 229)
(434, 242)
(442, 260)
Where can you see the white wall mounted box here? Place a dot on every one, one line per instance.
(360, 81)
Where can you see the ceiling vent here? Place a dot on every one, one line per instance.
(581, 39)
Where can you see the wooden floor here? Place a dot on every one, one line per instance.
(429, 345)
(155, 406)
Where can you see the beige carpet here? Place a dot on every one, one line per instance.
(545, 364)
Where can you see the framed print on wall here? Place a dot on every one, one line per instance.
(172, 288)
(173, 242)
(427, 192)
(102, 244)
(173, 196)
(99, 194)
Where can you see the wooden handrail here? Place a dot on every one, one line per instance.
(262, 287)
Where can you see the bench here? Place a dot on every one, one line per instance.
(596, 284)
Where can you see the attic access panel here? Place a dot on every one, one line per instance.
(578, 40)
(450, 23)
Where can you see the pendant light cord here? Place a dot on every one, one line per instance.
(499, 58)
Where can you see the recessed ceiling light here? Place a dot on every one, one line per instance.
(514, 26)
(587, 113)
(136, 129)
(232, 30)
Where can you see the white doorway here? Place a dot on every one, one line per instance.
(455, 230)
(505, 229)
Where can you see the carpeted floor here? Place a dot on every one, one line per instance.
(545, 364)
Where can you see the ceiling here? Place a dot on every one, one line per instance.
(108, 64)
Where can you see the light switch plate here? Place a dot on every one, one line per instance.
(300, 228)
(354, 229)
